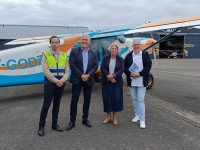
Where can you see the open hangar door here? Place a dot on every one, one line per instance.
(172, 47)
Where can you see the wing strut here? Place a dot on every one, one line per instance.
(154, 51)
(162, 39)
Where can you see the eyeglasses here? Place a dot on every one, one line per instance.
(136, 44)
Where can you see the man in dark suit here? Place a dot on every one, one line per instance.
(83, 63)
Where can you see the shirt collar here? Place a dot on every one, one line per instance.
(140, 53)
(55, 53)
(85, 51)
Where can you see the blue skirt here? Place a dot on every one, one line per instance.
(112, 97)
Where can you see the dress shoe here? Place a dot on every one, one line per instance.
(41, 131)
(70, 125)
(57, 128)
(107, 120)
(87, 123)
(136, 119)
(142, 125)
(115, 122)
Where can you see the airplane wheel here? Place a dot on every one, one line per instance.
(150, 81)
(97, 77)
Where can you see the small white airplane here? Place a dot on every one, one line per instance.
(169, 43)
(22, 65)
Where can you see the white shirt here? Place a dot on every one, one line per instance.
(112, 65)
(56, 54)
(137, 59)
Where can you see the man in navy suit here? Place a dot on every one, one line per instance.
(83, 63)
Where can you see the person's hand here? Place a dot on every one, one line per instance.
(109, 77)
(59, 83)
(113, 80)
(135, 75)
(84, 77)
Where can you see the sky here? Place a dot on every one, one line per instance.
(94, 14)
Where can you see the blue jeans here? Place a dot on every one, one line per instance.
(137, 95)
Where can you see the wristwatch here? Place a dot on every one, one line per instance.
(88, 76)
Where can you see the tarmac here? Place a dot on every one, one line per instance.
(171, 124)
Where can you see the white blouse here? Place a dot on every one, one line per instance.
(112, 65)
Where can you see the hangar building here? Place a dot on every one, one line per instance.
(12, 32)
(183, 44)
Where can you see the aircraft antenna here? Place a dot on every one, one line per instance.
(98, 26)
(79, 27)
(92, 25)
(33, 38)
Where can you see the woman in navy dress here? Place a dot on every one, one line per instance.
(112, 68)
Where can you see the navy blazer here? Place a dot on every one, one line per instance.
(146, 67)
(119, 69)
(76, 65)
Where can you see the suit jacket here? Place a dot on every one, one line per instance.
(119, 69)
(146, 67)
(76, 65)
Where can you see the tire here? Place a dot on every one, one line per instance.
(97, 77)
(150, 81)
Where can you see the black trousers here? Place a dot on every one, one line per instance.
(76, 90)
(51, 92)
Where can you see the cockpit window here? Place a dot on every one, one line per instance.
(105, 44)
(94, 44)
(121, 39)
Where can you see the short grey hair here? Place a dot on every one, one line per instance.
(136, 40)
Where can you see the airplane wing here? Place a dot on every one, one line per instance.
(39, 39)
(169, 24)
(93, 35)
(25, 42)
(111, 32)
(29, 40)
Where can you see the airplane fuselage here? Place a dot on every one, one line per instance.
(22, 65)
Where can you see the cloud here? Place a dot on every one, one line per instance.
(104, 13)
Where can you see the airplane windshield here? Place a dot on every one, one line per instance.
(105, 44)
(101, 46)
(94, 44)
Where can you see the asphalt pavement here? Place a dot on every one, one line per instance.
(172, 116)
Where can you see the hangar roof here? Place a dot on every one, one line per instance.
(25, 31)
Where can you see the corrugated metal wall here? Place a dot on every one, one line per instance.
(24, 31)
(11, 32)
(193, 51)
